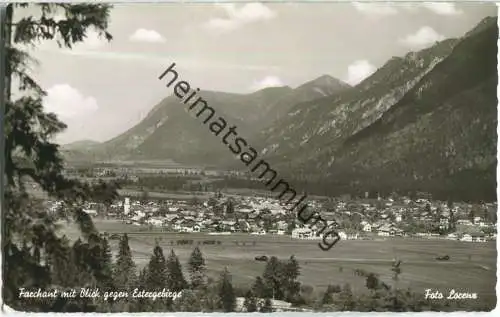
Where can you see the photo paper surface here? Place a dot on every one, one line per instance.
(249, 157)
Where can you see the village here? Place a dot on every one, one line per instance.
(354, 219)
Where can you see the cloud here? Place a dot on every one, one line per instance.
(442, 8)
(269, 81)
(392, 8)
(358, 71)
(424, 37)
(248, 13)
(150, 36)
(375, 8)
(223, 25)
(67, 102)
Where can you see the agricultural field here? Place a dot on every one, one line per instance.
(471, 268)
(163, 195)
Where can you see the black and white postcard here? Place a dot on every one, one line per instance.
(249, 156)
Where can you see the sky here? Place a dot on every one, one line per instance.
(101, 89)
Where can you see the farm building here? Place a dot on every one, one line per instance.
(278, 305)
(302, 233)
(91, 212)
(466, 237)
(478, 237)
(367, 227)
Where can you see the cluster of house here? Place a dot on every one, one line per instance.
(390, 218)
(277, 306)
(217, 215)
(261, 215)
(131, 172)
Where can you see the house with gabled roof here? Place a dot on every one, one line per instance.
(367, 227)
(466, 237)
(478, 237)
(302, 233)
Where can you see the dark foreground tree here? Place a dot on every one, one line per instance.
(175, 278)
(372, 282)
(197, 268)
(30, 154)
(102, 262)
(211, 298)
(291, 285)
(226, 292)
(157, 270)
(155, 279)
(260, 289)
(274, 277)
(347, 298)
(125, 270)
(190, 301)
(267, 307)
(250, 302)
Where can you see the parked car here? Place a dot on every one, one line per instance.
(262, 258)
(114, 236)
(443, 258)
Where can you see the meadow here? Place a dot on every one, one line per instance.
(471, 268)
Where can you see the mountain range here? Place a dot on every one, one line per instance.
(425, 121)
(169, 132)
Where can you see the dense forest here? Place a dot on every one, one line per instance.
(457, 191)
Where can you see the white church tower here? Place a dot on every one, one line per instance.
(126, 206)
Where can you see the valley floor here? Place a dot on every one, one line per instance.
(471, 268)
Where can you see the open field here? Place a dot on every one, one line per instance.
(180, 195)
(420, 270)
(189, 195)
(163, 195)
(123, 163)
